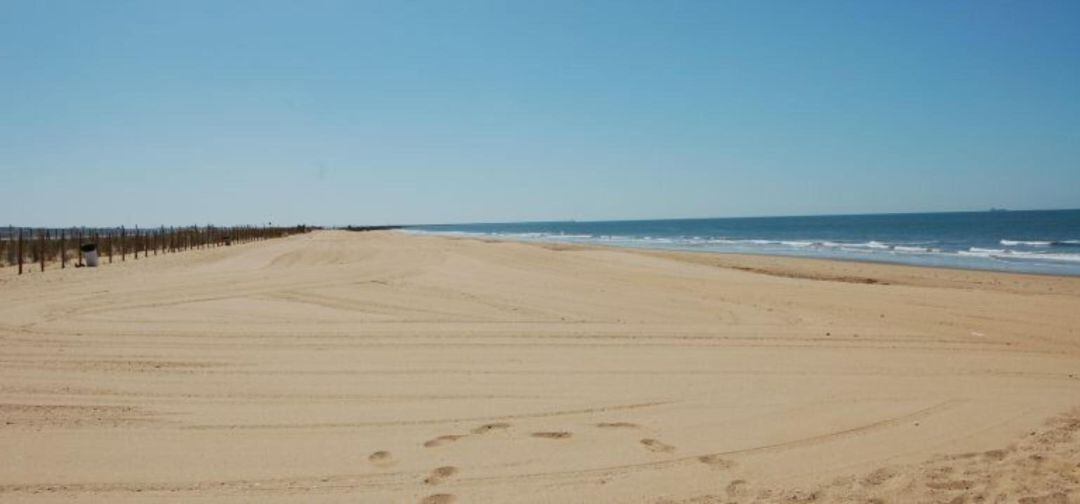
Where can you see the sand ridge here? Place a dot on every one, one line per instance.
(383, 367)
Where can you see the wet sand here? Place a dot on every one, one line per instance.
(382, 367)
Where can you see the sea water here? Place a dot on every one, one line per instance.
(1043, 241)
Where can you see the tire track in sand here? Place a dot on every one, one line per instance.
(401, 480)
(433, 421)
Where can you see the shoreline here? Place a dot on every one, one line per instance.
(1043, 242)
(812, 268)
(747, 254)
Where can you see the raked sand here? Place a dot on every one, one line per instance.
(382, 367)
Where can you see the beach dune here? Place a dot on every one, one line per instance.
(385, 367)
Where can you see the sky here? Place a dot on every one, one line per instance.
(398, 112)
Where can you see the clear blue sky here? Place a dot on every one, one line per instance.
(449, 111)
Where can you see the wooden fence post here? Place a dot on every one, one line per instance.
(42, 237)
(78, 243)
(20, 250)
(63, 251)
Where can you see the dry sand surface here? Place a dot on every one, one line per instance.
(382, 367)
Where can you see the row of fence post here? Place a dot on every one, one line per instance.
(25, 246)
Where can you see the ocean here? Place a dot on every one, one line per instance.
(1043, 241)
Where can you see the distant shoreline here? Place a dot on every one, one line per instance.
(737, 260)
(1042, 242)
(745, 217)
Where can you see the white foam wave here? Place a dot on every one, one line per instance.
(1031, 256)
(912, 250)
(1018, 255)
(1016, 243)
(824, 247)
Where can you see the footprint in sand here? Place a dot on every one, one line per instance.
(440, 474)
(716, 461)
(617, 425)
(439, 499)
(442, 440)
(381, 458)
(552, 435)
(878, 477)
(484, 429)
(996, 455)
(951, 485)
(657, 446)
(737, 488)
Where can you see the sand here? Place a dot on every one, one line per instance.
(383, 367)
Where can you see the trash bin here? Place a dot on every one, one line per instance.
(90, 255)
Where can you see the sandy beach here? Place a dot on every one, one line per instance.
(383, 367)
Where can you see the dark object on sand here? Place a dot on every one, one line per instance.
(90, 254)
